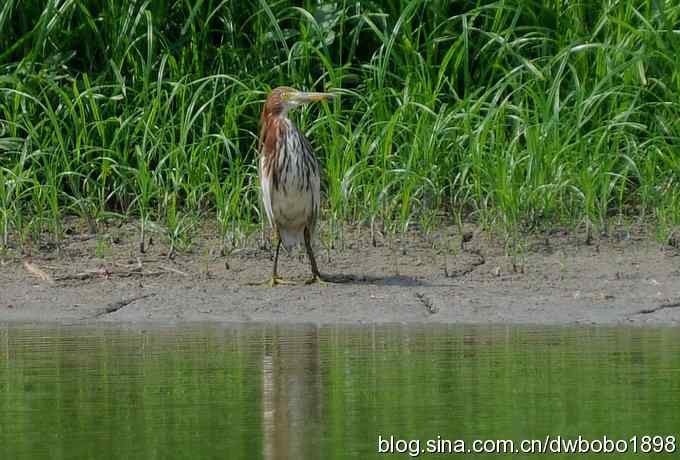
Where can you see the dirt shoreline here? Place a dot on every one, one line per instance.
(555, 279)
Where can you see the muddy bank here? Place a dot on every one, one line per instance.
(552, 279)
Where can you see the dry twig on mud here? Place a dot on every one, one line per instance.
(107, 274)
(38, 272)
(174, 270)
(663, 306)
(115, 306)
(137, 273)
(98, 272)
(427, 303)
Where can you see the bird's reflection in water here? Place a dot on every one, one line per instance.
(292, 396)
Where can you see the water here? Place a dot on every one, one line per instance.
(303, 392)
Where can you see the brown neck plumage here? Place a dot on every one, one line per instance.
(269, 124)
(272, 136)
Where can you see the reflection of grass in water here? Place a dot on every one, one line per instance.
(193, 393)
(75, 393)
(515, 115)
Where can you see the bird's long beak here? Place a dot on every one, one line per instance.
(302, 97)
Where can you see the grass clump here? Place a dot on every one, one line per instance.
(517, 114)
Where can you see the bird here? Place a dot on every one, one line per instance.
(290, 177)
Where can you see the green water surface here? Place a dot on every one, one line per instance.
(309, 393)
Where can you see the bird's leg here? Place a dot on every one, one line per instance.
(276, 255)
(316, 276)
(275, 280)
(275, 277)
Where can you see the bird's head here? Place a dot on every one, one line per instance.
(284, 98)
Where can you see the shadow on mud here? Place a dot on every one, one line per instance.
(393, 280)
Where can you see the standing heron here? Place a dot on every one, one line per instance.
(289, 175)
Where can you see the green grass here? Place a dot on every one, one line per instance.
(516, 114)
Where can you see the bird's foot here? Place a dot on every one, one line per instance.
(277, 281)
(274, 281)
(323, 282)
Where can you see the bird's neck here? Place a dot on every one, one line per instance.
(273, 127)
(280, 121)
